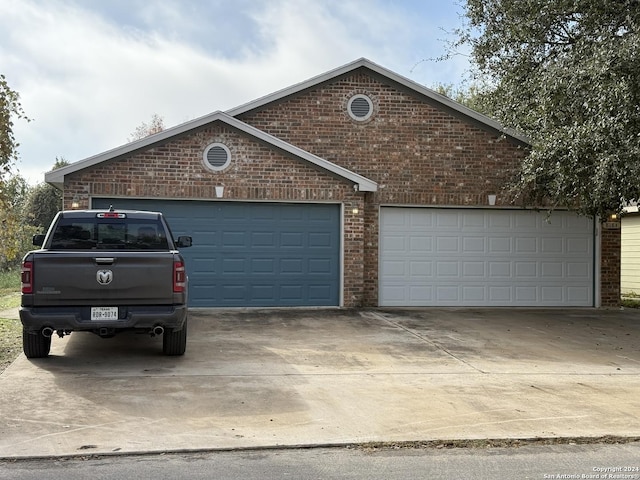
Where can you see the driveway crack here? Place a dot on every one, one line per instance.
(426, 340)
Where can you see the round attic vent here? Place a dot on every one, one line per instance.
(216, 156)
(360, 107)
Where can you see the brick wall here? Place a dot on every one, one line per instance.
(610, 267)
(257, 172)
(416, 152)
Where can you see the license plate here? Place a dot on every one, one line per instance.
(104, 313)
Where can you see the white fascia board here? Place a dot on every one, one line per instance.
(363, 183)
(298, 87)
(56, 177)
(448, 102)
(410, 84)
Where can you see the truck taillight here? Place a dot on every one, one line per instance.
(27, 277)
(179, 277)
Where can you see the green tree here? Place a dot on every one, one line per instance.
(156, 125)
(567, 75)
(475, 96)
(9, 107)
(15, 234)
(43, 202)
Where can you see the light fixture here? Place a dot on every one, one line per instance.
(492, 199)
(613, 217)
(219, 191)
(75, 203)
(355, 211)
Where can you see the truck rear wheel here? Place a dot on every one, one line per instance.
(35, 345)
(175, 343)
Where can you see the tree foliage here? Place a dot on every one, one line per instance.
(9, 107)
(27, 210)
(566, 73)
(156, 125)
(43, 201)
(15, 234)
(475, 96)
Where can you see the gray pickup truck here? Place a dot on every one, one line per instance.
(105, 272)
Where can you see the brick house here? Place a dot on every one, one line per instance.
(355, 188)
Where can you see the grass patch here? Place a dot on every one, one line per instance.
(10, 300)
(10, 329)
(10, 341)
(630, 302)
(9, 282)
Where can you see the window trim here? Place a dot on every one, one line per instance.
(358, 97)
(214, 168)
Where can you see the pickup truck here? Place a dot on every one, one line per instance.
(105, 272)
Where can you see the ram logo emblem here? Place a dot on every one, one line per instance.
(104, 277)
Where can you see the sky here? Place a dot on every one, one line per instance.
(89, 72)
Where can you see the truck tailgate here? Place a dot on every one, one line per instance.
(102, 277)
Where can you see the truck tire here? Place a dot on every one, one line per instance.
(175, 342)
(35, 345)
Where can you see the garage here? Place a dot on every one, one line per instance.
(485, 257)
(254, 254)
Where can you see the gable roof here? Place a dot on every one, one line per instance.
(56, 177)
(362, 63)
(363, 184)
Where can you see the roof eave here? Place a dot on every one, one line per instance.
(410, 84)
(56, 177)
(363, 184)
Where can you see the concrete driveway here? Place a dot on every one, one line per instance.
(316, 377)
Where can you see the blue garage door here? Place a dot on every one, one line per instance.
(254, 254)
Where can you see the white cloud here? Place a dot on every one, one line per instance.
(89, 76)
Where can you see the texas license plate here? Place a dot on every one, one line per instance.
(104, 313)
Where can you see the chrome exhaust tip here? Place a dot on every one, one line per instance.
(157, 330)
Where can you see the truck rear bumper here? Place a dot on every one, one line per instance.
(170, 317)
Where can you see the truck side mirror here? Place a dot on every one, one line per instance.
(184, 241)
(38, 240)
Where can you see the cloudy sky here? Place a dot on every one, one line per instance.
(90, 71)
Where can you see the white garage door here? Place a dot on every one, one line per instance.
(456, 257)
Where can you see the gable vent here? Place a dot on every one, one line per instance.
(217, 157)
(360, 107)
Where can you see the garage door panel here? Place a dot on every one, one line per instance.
(551, 294)
(499, 269)
(525, 245)
(473, 222)
(485, 258)
(474, 245)
(503, 221)
(447, 244)
(395, 243)
(577, 246)
(500, 295)
(447, 293)
(500, 245)
(291, 240)
(578, 270)
(473, 294)
(254, 254)
(552, 270)
(473, 269)
(397, 269)
(578, 294)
